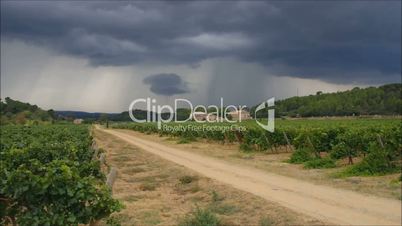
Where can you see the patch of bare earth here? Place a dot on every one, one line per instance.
(383, 186)
(158, 192)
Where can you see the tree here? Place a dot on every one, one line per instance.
(52, 113)
(385, 100)
(20, 118)
(104, 119)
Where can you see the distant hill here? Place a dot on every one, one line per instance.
(118, 117)
(17, 112)
(383, 100)
(83, 114)
(98, 116)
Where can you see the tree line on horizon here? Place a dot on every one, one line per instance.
(17, 112)
(383, 100)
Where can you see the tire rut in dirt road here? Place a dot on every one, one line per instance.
(328, 204)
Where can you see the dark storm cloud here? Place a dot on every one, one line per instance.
(342, 42)
(166, 84)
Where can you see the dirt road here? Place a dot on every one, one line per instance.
(328, 204)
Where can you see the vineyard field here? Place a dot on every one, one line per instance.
(50, 175)
(377, 141)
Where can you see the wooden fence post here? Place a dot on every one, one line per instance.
(102, 158)
(94, 145)
(269, 143)
(239, 136)
(111, 177)
(389, 163)
(287, 141)
(312, 146)
(276, 150)
(380, 141)
(95, 156)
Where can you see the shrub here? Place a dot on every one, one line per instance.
(265, 221)
(148, 186)
(348, 144)
(223, 208)
(320, 163)
(375, 163)
(113, 221)
(216, 197)
(186, 140)
(186, 179)
(200, 217)
(246, 147)
(301, 155)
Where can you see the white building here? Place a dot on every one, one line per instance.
(199, 116)
(240, 115)
(78, 121)
(202, 116)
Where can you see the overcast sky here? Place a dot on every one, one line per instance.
(99, 56)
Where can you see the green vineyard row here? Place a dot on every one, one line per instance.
(342, 138)
(50, 175)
